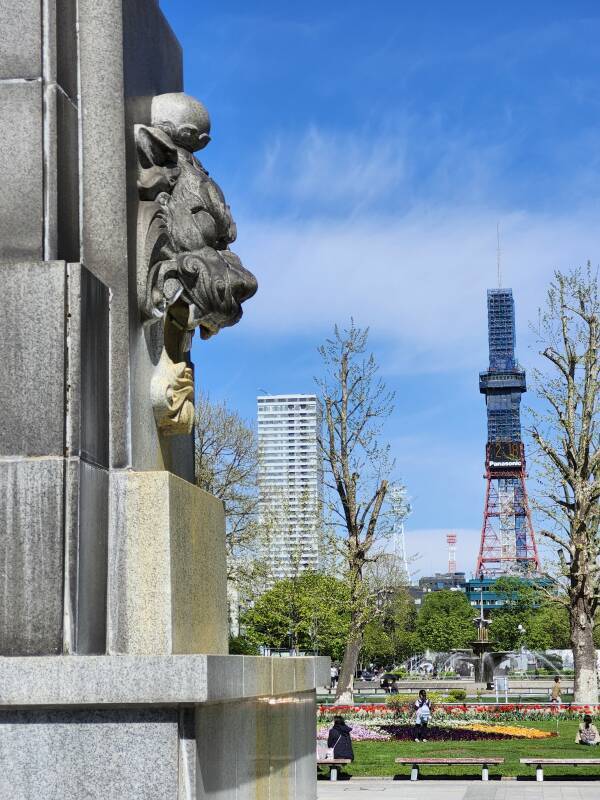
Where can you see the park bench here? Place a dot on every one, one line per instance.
(333, 764)
(417, 762)
(540, 763)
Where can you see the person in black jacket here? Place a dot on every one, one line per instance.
(339, 739)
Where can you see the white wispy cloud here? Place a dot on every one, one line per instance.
(418, 280)
(324, 168)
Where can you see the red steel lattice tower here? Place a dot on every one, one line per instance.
(508, 545)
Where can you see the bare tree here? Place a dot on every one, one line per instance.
(355, 404)
(568, 440)
(226, 466)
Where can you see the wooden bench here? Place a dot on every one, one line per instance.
(333, 764)
(540, 763)
(416, 762)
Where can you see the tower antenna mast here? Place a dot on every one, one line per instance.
(498, 255)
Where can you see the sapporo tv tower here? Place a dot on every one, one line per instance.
(507, 539)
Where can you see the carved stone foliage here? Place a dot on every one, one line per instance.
(189, 276)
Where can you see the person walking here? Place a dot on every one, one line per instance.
(556, 691)
(339, 740)
(334, 673)
(587, 732)
(423, 711)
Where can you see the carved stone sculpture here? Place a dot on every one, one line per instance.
(190, 278)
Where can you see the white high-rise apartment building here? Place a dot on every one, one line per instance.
(290, 480)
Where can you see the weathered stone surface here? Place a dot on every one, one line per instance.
(94, 365)
(62, 681)
(258, 675)
(32, 352)
(198, 570)
(271, 743)
(86, 547)
(284, 678)
(22, 170)
(92, 563)
(64, 164)
(103, 190)
(167, 574)
(66, 46)
(31, 556)
(64, 755)
(20, 43)
(61, 224)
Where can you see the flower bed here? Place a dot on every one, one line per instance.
(475, 712)
(511, 731)
(360, 733)
(437, 733)
(451, 732)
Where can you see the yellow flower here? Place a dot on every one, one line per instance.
(509, 730)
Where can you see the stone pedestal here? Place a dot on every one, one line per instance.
(114, 674)
(156, 728)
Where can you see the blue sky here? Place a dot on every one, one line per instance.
(368, 152)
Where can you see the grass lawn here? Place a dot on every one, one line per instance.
(377, 758)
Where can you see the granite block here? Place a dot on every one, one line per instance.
(21, 40)
(60, 755)
(74, 681)
(284, 675)
(225, 677)
(61, 176)
(217, 727)
(94, 365)
(305, 742)
(139, 572)
(22, 170)
(258, 748)
(258, 675)
(283, 746)
(103, 192)
(67, 178)
(167, 574)
(92, 564)
(32, 351)
(253, 757)
(304, 674)
(66, 46)
(198, 570)
(66, 681)
(322, 671)
(31, 556)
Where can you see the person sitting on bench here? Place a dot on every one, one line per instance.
(587, 733)
(339, 740)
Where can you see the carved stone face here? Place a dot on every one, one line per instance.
(215, 284)
(196, 213)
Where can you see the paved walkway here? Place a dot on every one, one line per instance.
(458, 790)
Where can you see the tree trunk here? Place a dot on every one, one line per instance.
(584, 655)
(344, 693)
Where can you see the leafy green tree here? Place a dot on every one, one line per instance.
(242, 646)
(445, 621)
(378, 644)
(307, 612)
(544, 624)
(511, 623)
(549, 628)
(391, 637)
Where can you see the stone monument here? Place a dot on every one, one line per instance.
(115, 680)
